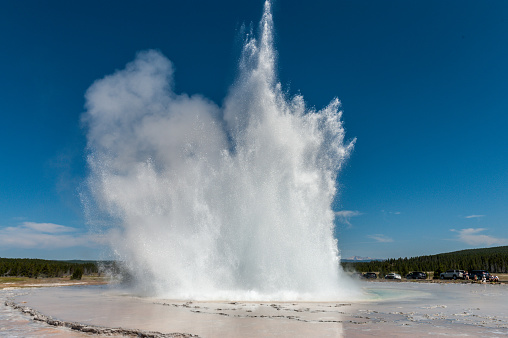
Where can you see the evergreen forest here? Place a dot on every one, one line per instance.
(34, 268)
(494, 260)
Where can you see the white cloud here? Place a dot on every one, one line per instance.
(31, 235)
(474, 216)
(473, 237)
(47, 227)
(345, 215)
(381, 238)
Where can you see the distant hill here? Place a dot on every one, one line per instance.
(484, 251)
(492, 259)
(360, 259)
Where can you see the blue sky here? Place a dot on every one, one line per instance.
(423, 86)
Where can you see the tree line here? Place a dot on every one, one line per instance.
(494, 260)
(34, 268)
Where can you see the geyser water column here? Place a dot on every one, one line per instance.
(209, 202)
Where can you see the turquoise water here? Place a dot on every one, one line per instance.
(388, 294)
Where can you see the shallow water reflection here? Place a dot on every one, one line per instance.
(15, 324)
(395, 308)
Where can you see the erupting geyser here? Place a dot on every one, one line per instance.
(210, 202)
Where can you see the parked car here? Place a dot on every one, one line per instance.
(416, 275)
(479, 274)
(452, 274)
(392, 275)
(370, 275)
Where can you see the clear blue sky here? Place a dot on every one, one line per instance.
(424, 88)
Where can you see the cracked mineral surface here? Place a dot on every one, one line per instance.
(394, 309)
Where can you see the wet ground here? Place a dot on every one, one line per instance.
(394, 309)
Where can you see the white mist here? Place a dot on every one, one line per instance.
(210, 202)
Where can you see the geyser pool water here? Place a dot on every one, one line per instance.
(217, 202)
